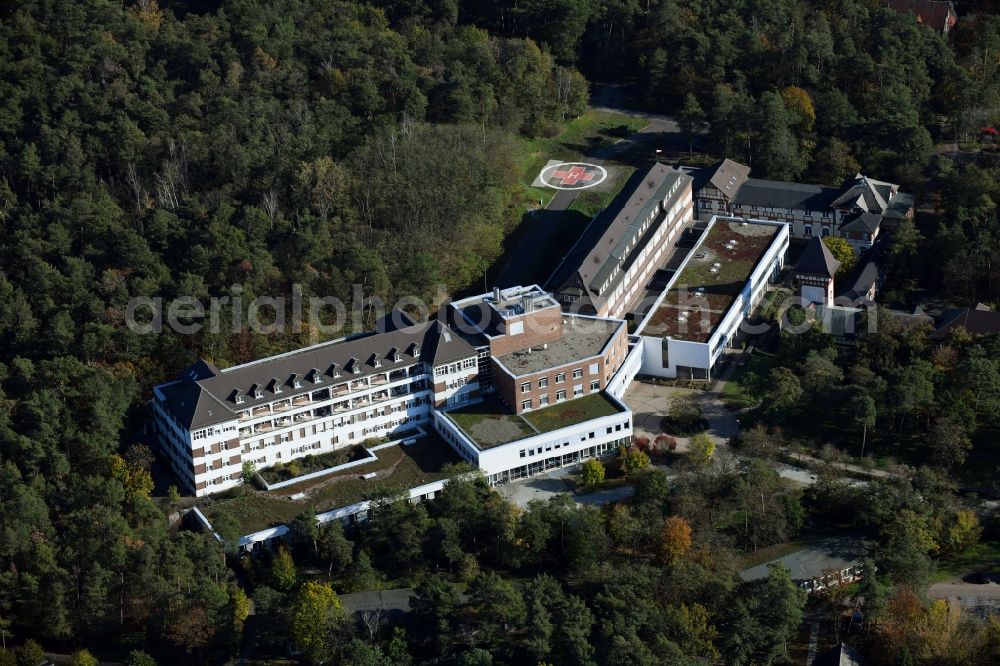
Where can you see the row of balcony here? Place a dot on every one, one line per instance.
(322, 412)
(322, 395)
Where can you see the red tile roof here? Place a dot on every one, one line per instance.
(938, 14)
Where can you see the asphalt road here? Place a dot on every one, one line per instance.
(535, 248)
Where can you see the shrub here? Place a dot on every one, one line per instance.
(30, 654)
(641, 443)
(702, 450)
(664, 442)
(593, 473)
(83, 658)
(634, 460)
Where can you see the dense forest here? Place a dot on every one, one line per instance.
(200, 149)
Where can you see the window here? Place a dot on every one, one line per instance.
(525, 387)
(377, 361)
(577, 373)
(560, 395)
(258, 393)
(826, 231)
(516, 328)
(594, 368)
(239, 399)
(560, 378)
(826, 213)
(522, 453)
(808, 230)
(277, 387)
(577, 391)
(543, 400)
(543, 382)
(595, 385)
(526, 404)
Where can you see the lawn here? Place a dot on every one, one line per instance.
(984, 556)
(399, 468)
(591, 202)
(313, 463)
(570, 412)
(582, 135)
(490, 423)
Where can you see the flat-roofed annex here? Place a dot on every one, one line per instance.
(582, 338)
(714, 276)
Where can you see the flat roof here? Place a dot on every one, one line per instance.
(815, 561)
(582, 338)
(397, 467)
(715, 274)
(490, 423)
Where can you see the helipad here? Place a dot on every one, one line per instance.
(571, 175)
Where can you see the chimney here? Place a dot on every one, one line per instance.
(496, 294)
(526, 303)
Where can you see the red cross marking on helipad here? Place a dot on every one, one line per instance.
(573, 176)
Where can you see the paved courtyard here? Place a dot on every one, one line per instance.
(554, 482)
(650, 402)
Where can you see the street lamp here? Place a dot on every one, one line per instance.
(657, 156)
(737, 427)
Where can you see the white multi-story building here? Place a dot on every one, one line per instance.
(313, 400)
(702, 309)
(610, 267)
(212, 421)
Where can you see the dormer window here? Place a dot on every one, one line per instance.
(334, 370)
(376, 361)
(275, 386)
(258, 392)
(238, 397)
(355, 366)
(296, 381)
(317, 378)
(395, 355)
(416, 351)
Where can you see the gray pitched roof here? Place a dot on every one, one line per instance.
(975, 321)
(865, 278)
(621, 223)
(866, 193)
(193, 406)
(816, 259)
(864, 222)
(729, 177)
(840, 655)
(206, 395)
(777, 194)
